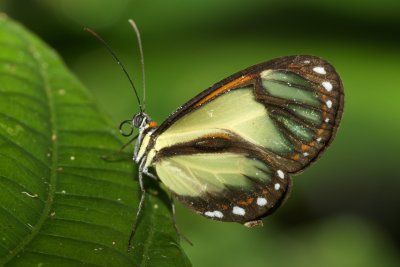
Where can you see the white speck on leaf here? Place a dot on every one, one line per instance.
(61, 91)
(30, 195)
(15, 131)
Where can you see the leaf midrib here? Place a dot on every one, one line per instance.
(36, 55)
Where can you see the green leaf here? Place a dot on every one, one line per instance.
(60, 204)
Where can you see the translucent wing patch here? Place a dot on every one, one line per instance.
(287, 85)
(201, 174)
(224, 186)
(235, 111)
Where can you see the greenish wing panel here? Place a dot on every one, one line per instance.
(235, 111)
(224, 186)
(211, 173)
(288, 85)
(304, 113)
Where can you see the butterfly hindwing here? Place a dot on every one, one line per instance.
(233, 183)
(228, 153)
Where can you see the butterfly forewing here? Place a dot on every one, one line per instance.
(228, 152)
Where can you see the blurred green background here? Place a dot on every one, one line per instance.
(344, 210)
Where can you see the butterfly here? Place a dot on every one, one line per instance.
(229, 153)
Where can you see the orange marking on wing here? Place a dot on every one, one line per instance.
(304, 147)
(246, 202)
(225, 207)
(152, 124)
(296, 157)
(320, 131)
(294, 66)
(226, 87)
(309, 146)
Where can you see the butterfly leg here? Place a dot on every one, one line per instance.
(149, 174)
(176, 225)
(142, 198)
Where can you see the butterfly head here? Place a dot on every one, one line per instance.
(142, 120)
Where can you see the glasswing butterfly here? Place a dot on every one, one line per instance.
(229, 153)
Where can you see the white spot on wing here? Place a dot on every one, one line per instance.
(238, 211)
(261, 201)
(305, 154)
(327, 85)
(277, 186)
(329, 104)
(306, 61)
(319, 139)
(215, 213)
(281, 174)
(218, 214)
(327, 120)
(209, 213)
(319, 70)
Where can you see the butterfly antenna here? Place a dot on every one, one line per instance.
(118, 61)
(139, 40)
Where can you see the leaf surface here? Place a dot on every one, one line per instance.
(60, 203)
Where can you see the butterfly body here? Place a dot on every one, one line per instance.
(229, 153)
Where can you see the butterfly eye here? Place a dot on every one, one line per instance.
(138, 120)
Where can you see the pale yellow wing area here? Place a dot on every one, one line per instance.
(236, 111)
(200, 174)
